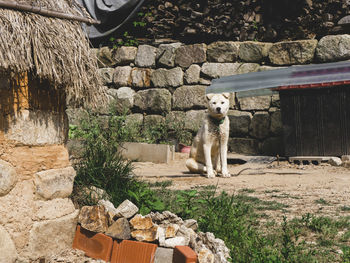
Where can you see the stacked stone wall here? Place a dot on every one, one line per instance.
(170, 80)
(36, 216)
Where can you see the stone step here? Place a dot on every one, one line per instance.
(309, 159)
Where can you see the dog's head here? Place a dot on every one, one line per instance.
(218, 104)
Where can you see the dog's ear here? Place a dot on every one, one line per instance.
(226, 95)
(209, 96)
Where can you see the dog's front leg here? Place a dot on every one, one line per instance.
(223, 155)
(207, 157)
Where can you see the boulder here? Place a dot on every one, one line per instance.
(8, 177)
(192, 74)
(187, 55)
(239, 122)
(255, 103)
(217, 70)
(223, 51)
(166, 55)
(125, 55)
(333, 48)
(94, 218)
(122, 76)
(165, 78)
(187, 97)
(293, 52)
(153, 100)
(141, 77)
(126, 209)
(243, 145)
(146, 56)
(252, 51)
(54, 183)
(120, 229)
(260, 125)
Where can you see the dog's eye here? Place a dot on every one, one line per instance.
(214, 103)
(222, 102)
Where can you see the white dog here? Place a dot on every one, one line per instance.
(209, 149)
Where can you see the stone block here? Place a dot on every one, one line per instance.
(255, 103)
(52, 209)
(192, 74)
(273, 146)
(124, 99)
(94, 218)
(106, 75)
(126, 209)
(35, 127)
(223, 51)
(260, 125)
(144, 152)
(239, 122)
(217, 70)
(153, 120)
(243, 145)
(122, 76)
(41, 241)
(164, 255)
(120, 229)
(293, 52)
(54, 183)
(187, 55)
(276, 126)
(252, 51)
(187, 97)
(146, 56)
(175, 241)
(166, 55)
(141, 77)
(125, 55)
(8, 250)
(165, 78)
(153, 100)
(247, 68)
(194, 119)
(333, 48)
(8, 177)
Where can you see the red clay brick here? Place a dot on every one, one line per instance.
(129, 251)
(184, 254)
(95, 245)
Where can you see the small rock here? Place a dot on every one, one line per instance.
(205, 256)
(140, 222)
(191, 223)
(148, 235)
(175, 241)
(146, 56)
(110, 209)
(335, 161)
(171, 230)
(94, 218)
(161, 236)
(346, 164)
(94, 193)
(126, 209)
(120, 229)
(345, 158)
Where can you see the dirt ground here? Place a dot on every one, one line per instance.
(318, 189)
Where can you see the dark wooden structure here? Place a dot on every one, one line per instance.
(316, 122)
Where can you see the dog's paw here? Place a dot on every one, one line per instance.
(227, 174)
(211, 174)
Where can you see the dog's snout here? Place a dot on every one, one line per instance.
(218, 109)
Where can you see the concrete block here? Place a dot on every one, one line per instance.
(164, 255)
(144, 152)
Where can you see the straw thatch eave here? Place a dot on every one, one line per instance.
(50, 48)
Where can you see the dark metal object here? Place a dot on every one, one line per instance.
(316, 122)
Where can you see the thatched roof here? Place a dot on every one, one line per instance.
(50, 48)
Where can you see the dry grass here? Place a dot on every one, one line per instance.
(50, 48)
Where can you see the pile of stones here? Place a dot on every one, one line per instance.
(166, 229)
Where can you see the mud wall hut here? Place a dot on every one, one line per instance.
(44, 62)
